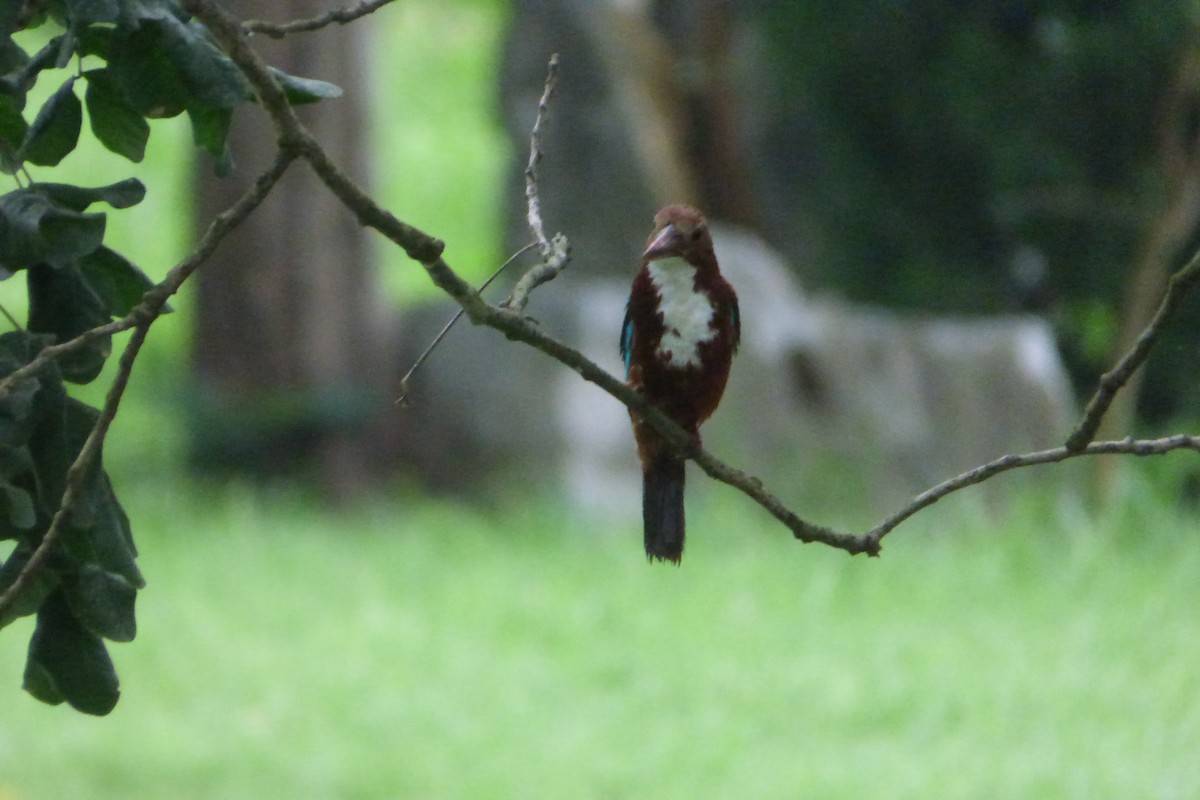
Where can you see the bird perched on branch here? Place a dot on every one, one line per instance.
(680, 333)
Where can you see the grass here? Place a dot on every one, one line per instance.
(416, 649)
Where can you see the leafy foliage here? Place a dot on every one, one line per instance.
(134, 60)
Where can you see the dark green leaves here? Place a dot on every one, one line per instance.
(75, 283)
(86, 12)
(115, 122)
(34, 229)
(88, 590)
(122, 194)
(47, 223)
(117, 282)
(103, 602)
(62, 303)
(144, 59)
(55, 131)
(69, 662)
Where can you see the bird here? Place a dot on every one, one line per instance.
(681, 330)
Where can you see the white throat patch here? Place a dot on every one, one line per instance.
(687, 314)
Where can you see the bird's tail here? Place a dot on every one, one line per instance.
(662, 507)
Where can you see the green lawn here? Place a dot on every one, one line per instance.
(422, 650)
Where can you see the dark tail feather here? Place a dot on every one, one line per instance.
(662, 508)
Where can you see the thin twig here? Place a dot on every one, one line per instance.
(532, 201)
(556, 252)
(1129, 446)
(402, 400)
(11, 319)
(341, 16)
(1112, 381)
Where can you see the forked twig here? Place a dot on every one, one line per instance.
(1112, 381)
(556, 252)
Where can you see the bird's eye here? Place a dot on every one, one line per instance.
(695, 234)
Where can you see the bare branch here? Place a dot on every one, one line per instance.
(533, 203)
(1112, 381)
(341, 16)
(556, 252)
(1130, 446)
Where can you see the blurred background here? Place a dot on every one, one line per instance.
(944, 221)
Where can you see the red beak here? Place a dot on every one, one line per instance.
(666, 243)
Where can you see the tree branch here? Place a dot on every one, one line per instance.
(1112, 381)
(1130, 446)
(341, 16)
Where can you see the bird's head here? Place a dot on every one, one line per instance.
(680, 232)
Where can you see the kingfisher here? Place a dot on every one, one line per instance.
(680, 333)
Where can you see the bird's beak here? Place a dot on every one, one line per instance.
(666, 243)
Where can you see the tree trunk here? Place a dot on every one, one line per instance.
(287, 326)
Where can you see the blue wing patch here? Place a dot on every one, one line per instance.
(737, 324)
(627, 343)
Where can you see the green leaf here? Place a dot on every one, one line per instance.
(87, 12)
(212, 79)
(12, 122)
(36, 590)
(12, 133)
(147, 77)
(62, 303)
(12, 56)
(210, 127)
(68, 662)
(102, 601)
(98, 532)
(17, 508)
(55, 131)
(47, 442)
(95, 41)
(118, 282)
(122, 194)
(34, 230)
(305, 90)
(42, 59)
(10, 12)
(19, 404)
(116, 123)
